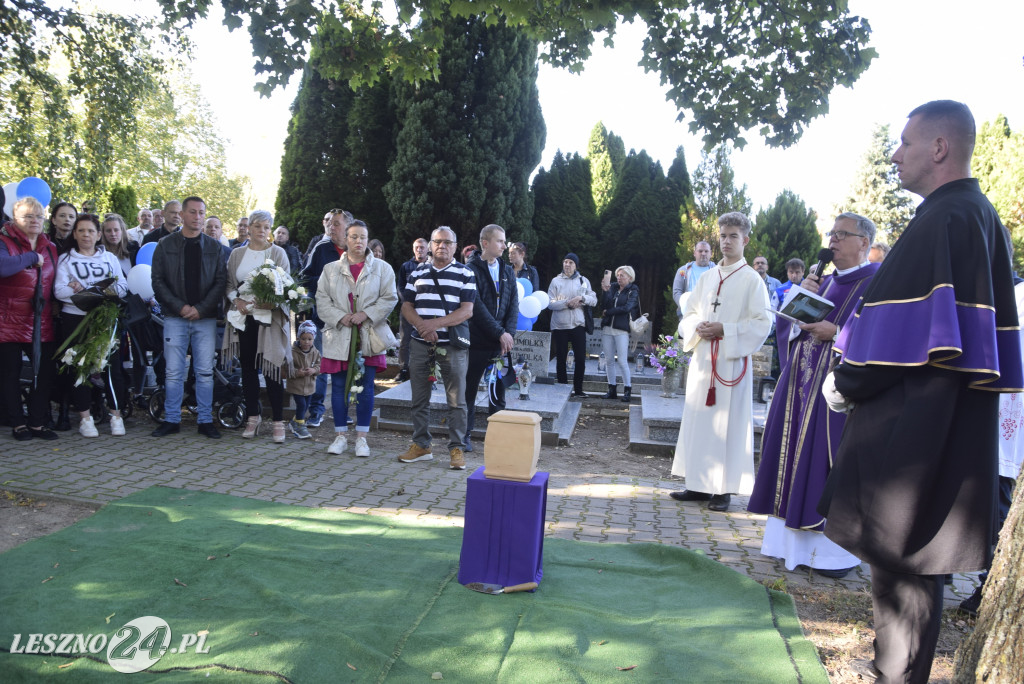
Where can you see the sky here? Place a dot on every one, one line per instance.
(927, 50)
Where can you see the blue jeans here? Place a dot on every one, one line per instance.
(316, 400)
(301, 406)
(202, 335)
(364, 401)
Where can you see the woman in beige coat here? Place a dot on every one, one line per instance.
(357, 292)
(259, 346)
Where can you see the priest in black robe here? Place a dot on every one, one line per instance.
(913, 487)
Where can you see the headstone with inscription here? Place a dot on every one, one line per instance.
(534, 346)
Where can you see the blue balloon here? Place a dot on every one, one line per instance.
(527, 286)
(525, 323)
(34, 187)
(145, 255)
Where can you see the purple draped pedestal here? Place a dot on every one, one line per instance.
(503, 540)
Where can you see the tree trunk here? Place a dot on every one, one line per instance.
(988, 654)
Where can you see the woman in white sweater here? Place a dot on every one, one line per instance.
(84, 265)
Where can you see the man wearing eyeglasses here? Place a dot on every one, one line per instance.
(438, 296)
(801, 435)
(913, 487)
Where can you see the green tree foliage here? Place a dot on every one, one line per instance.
(640, 227)
(607, 154)
(876, 191)
(178, 152)
(124, 201)
(564, 216)
(785, 230)
(734, 66)
(998, 164)
(313, 168)
(468, 142)
(714, 193)
(71, 86)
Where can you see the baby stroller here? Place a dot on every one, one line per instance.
(144, 329)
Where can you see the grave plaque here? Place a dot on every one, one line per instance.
(534, 346)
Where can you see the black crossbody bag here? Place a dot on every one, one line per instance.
(458, 335)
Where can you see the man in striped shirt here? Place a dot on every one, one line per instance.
(431, 320)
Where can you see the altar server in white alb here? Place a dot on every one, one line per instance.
(724, 321)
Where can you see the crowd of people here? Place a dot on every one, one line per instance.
(863, 456)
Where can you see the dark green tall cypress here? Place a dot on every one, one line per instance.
(467, 144)
(564, 216)
(313, 169)
(640, 226)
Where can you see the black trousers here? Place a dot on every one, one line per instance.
(578, 338)
(479, 360)
(908, 615)
(10, 378)
(248, 340)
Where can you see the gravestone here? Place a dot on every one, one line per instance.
(534, 346)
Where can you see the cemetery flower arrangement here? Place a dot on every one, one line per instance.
(88, 349)
(666, 356)
(271, 284)
(356, 367)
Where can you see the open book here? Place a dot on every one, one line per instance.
(801, 306)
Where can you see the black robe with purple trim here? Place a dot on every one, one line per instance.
(913, 485)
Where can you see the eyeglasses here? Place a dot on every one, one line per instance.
(29, 217)
(446, 243)
(842, 234)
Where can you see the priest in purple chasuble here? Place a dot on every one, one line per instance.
(934, 341)
(801, 435)
(725, 320)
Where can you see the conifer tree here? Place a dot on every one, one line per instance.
(314, 166)
(876, 191)
(468, 142)
(564, 217)
(607, 154)
(785, 230)
(714, 186)
(998, 164)
(640, 227)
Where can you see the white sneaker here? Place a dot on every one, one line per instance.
(87, 428)
(339, 445)
(362, 448)
(116, 426)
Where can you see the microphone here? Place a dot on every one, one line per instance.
(824, 259)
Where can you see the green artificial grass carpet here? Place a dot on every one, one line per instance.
(288, 593)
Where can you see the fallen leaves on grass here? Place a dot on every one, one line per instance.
(351, 666)
(179, 582)
(47, 579)
(107, 619)
(626, 669)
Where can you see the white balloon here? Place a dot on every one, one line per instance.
(542, 297)
(10, 192)
(140, 280)
(522, 292)
(529, 307)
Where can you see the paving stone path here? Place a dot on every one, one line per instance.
(590, 508)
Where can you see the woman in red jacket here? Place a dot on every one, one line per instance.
(27, 266)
